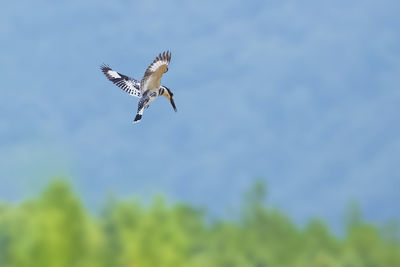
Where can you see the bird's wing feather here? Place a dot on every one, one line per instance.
(129, 85)
(153, 74)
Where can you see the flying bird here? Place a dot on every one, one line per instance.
(149, 88)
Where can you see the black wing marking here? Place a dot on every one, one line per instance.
(129, 85)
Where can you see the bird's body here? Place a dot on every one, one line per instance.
(148, 97)
(149, 88)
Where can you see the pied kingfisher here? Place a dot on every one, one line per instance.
(149, 87)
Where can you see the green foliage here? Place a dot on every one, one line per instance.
(54, 230)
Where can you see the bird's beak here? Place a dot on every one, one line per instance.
(173, 103)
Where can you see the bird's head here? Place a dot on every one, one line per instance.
(168, 94)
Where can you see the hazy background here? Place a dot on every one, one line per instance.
(304, 94)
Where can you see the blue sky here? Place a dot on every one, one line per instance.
(304, 94)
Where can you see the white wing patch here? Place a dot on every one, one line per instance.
(113, 74)
(129, 85)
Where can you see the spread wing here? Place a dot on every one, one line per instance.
(129, 85)
(153, 74)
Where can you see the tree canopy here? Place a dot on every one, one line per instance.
(55, 230)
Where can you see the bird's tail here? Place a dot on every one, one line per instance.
(137, 118)
(139, 114)
(141, 107)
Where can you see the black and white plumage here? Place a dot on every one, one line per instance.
(149, 88)
(129, 85)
